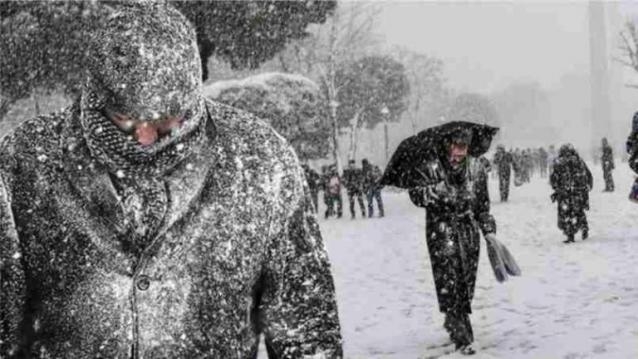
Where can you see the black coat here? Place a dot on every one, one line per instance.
(571, 181)
(453, 229)
(503, 162)
(353, 180)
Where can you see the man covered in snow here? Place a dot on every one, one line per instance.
(571, 181)
(146, 222)
(457, 208)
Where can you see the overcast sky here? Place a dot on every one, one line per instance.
(486, 45)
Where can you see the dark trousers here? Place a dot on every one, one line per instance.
(331, 200)
(371, 195)
(314, 193)
(609, 180)
(459, 327)
(571, 216)
(359, 196)
(504, 185)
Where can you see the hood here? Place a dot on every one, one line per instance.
(146, 62)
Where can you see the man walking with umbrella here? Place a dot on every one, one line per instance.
(440, 167)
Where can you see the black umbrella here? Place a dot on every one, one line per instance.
(403, 169)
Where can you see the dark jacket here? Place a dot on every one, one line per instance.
(503, 161)
(371, 177)
(239, 252)
(571, 178)
(353, 180)
(454, 218)
(313, 178)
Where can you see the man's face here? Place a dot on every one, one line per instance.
(146, 133)
(458, 152)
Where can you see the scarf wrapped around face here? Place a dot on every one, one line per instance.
(120, 152)
(146, 66)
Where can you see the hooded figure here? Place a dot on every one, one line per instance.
(571, 181)
(457, 210)
(146, 222)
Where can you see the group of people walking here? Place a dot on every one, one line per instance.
(569, 176)
(358, 182)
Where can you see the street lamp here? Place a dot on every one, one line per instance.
(335, 144)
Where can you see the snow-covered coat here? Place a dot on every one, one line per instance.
(455, 218)
(238, 253)
(571, 181)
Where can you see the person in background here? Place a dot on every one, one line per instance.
(607, 162)
(333, 193)
(504, 163)
(353, 181)
(372, 175)
(571, 181)
(314, 184)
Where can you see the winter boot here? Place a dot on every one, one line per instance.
(570, 238)
(466, 349)
(585, 233)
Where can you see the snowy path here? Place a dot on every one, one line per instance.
(573, 301)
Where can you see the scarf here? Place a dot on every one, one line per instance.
(138, 172)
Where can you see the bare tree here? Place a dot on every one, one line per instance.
(428, 97)
(346, 36)
(629, 48)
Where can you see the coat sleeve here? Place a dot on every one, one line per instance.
(298, 309)
(482, 209)
(12, 280)
(554, 175)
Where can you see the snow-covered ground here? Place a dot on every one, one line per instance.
(573, 301)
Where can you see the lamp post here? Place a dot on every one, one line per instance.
(385, 112)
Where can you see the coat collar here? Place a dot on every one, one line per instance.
(94, 187)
